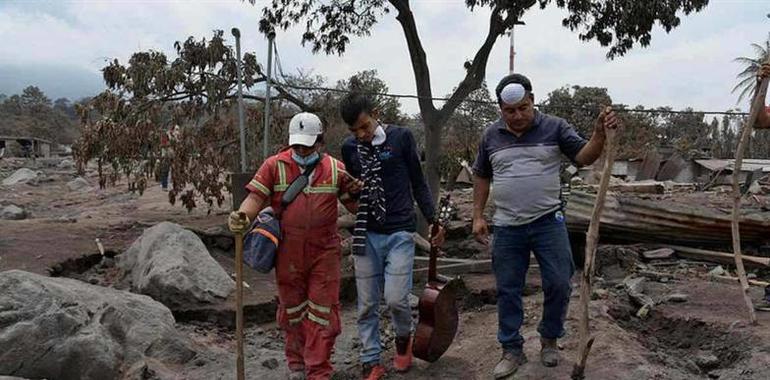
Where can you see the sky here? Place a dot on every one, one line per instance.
(60, 46)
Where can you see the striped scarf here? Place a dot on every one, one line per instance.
(372, 198)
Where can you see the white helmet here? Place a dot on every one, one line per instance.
(304, 129)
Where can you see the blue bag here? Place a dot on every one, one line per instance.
(261, 242)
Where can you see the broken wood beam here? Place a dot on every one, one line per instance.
(656, 254)
(718, 257)
(732, 280)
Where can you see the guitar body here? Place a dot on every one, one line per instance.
(438, 312)
(438, 321)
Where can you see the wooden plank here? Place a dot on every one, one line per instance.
(718, 257)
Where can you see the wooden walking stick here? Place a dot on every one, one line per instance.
(757, 106)
(239, 302)
(592, 241)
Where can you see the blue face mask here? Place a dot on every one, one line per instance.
(307, 160)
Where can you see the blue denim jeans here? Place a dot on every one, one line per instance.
(386, 268)
(547, 238)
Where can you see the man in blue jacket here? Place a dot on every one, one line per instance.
(385, 158)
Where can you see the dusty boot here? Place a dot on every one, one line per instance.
(403, 359)
(297, 375)
(549, 352)
(509, 363)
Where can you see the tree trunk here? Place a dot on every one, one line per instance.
(433, 157)
(757, 106)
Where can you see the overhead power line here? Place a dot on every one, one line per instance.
(620, 108)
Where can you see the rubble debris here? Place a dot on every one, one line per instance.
(78, 184)
(730, 280)
(22, 175)
(171, 264)
(599, 294)
(66, 164)
(673, 168)
(687, 221)
(635, 289)
(644, 187)
(615, 262)
(657, 254)
(707, 361)
(100, 331)
(13, 212)
(657, 276)
(717, 271)
(271, 363)
(756, 188)
(677, 297)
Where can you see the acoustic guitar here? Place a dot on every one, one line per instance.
(438, 312)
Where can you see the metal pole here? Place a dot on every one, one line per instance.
(237, 35)
(266, 143)
(239, 366)
(512, 53)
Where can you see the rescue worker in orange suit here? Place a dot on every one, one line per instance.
(308, 259)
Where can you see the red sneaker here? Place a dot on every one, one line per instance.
(403, 359)
(373, 371)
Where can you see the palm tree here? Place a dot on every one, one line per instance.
(748, 77)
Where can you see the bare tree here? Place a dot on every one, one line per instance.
(329, 26)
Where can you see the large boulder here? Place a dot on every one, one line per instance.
(59, 328)
(66, 164)
(12, 212)
(22, 175)
(173, 266)
(78, 183)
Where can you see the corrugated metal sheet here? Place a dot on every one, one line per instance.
(749, 164)
(644, 220)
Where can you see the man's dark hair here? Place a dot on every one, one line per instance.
(512, 78)
(353, 104)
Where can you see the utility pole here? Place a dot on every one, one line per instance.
(237, 35)
(512, 52)
(268, 89)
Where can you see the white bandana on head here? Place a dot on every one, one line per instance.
(513, 93)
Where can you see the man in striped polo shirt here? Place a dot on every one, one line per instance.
(521, 152)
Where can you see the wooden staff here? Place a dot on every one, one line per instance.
(592, 241)
(239, 303)
(757, 106)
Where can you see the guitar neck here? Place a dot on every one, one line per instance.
(432, 273)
